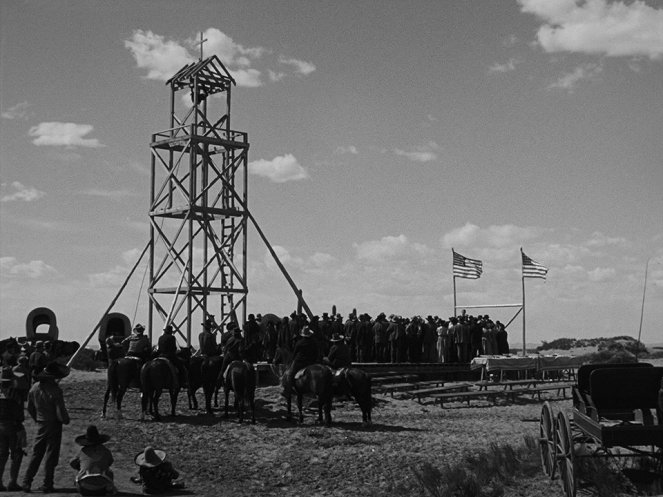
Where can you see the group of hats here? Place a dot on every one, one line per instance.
(150, 457)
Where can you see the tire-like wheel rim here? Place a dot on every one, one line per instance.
(547, 440)
(564, 454)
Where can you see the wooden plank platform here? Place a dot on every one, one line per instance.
(431, 392)
(402, 378)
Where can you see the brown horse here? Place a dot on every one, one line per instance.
(156, 375)
(123, 373)
(241, 379)
(356, 383)
(204, 372)
(314, 380)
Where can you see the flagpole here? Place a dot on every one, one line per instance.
(522, 278)
(454, 279)
(642, 309)
(524, 343)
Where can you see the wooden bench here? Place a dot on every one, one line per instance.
(402, 378)
(431, 392)
(560, 388)
(391, 388)
(466, 396)
(508, 384)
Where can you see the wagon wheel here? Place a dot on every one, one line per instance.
(564, 454)
(547, 441)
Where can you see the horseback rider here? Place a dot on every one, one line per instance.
(339, 353)
(167, 347)
(233, 350)
(305, 354)
(139, 344)
(207, 338)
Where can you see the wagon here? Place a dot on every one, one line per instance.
(616, 415)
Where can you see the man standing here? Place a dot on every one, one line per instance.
(46, 407)
(37, 361)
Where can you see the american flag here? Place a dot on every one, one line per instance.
(464, 267)
(532, 269)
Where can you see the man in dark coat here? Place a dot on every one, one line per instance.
(339, 353)
(207, 338)
(233, 350)
(305, 353)
(167, 347)
(38, 360)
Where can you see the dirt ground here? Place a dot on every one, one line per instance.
(275, 457)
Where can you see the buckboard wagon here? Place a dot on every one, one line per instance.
(617, 415)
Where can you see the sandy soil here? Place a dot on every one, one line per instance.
(275, 457)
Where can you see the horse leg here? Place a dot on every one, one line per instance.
(155, 405)
(106, 396)
(226, 392)
(239, 400)
(118, 401)
(173, 400)
(327, 403)
(144, 403)
(289, 404)
(300, 401)
(208, 390)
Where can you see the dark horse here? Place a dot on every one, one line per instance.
(204, 372)
(313, 380)
(157, 375)
(123, 373)
(356, 383)
(241, 379)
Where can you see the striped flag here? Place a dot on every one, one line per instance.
(532, 269)
(464, 267)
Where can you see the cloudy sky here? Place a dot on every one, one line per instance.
(383, 133)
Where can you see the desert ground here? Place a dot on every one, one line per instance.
(275, 457)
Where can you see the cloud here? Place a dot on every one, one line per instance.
(279, 169)
(613, 29)
(509, 65)
(69, 135)
(24, 193)
(162, 58)
(349, 149)
(584, 72)
(110, 194)
(18, 111)
(601, 274)
(495, 236)
(390, 248)
(301, 67)
(423, 153)
(11, 268)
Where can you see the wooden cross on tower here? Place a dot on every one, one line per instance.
(201, 44)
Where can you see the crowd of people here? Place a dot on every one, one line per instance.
(383, 339)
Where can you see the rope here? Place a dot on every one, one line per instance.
(140, 291)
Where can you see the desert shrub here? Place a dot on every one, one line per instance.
(481, 475)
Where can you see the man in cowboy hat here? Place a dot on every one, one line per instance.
(46, 407)
(167, 347)
(155, 473)
(233, 350)
(207, 338)
(12, 431)
(339, 353)
(304, 354)
(37, 360)
(139, 344)
(93, 463)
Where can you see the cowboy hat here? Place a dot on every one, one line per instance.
(336, 337)
(306, 332)
(54, 371)
(92, 437)
(139, 328)
(150, 457)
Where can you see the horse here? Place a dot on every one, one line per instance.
(356, 383)
(204, 371)
(313, 380)
(156, 375)
(123, 373)
(241, 379)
